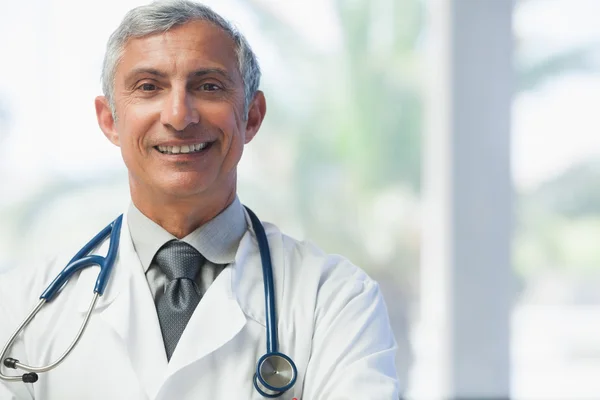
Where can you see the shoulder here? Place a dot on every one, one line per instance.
(309, 268)
(21, 286)
(311, 256)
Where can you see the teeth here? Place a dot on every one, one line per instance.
(182, 149)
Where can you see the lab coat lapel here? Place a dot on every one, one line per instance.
(236, 294)
(127, 306)
(249, 283)
(216, 320)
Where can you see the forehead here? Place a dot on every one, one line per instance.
(181, 50)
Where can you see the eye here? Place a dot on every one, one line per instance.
(209, 87)
(147, 87)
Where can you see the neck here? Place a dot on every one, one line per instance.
(178, 216)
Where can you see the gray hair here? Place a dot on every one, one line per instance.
(160, 16)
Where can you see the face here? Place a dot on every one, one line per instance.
(179, 100)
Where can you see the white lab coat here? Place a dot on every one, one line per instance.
(332, 321)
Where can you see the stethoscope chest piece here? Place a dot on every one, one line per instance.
(275, 374)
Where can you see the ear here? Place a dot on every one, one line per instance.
(256, 114)
(106, 120)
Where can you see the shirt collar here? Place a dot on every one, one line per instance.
(217, 240)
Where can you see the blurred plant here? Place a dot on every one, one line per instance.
(364, 97)
(358, 133)
(355, 129)
(574, 194)
(532, 72)
(559, 224)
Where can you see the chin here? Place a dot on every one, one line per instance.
(172, 187)
(183, 191)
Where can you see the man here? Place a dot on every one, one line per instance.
(183, 315)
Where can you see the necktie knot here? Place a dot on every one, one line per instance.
(178, 260)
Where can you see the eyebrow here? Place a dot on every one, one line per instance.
(208, 71)
(161, 74)
(141, 71)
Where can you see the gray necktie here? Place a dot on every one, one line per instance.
(180, 262)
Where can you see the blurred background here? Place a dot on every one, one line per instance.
(449, 148)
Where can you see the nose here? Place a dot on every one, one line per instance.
(179, 111)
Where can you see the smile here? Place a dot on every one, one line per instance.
(185, 149)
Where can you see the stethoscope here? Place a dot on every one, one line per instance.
(275, 372)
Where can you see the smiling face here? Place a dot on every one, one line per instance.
(179, 102)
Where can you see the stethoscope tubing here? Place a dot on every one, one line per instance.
(78, 262)
(267, 269)
(272, 345)
(82, 260)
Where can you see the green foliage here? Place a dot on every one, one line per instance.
(366, 111)
(534, 73)
(559, 223)
(359, 131)
(574, 194)
(553, 242)
(354, 119)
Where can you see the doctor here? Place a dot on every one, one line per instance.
(181, 101)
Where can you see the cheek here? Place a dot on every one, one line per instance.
(228, 120)
(133, 127)
(222, 115)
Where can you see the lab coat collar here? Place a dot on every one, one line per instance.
(217, 240)
(246, 277)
